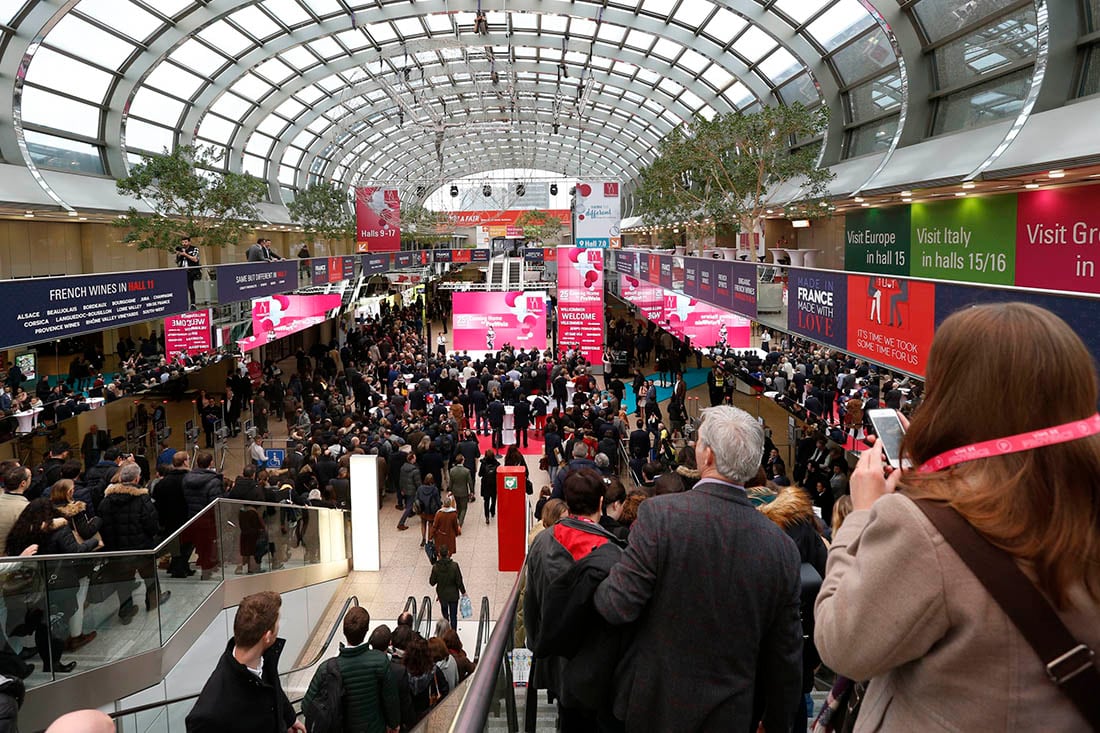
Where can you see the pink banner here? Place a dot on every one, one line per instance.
(705, 324)
(377, 220)
(648, 299)
(580, 301)
(187, 333)
(488, 321)
(281, 315)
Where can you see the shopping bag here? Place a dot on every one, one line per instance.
(465, 606)
(429, 549)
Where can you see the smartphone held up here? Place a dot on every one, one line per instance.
(890, 431)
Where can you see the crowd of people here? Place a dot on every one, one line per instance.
(628, 507)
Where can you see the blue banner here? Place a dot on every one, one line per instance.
(479, 255)
(255, 280)
(723, 277)
(442, 255)
(533, 255)
(626, 262)
(691, 277)
(593, 243)
(52, 308)
(744, 289)
(818, 306)
(375, 263)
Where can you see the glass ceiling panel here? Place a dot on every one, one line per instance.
(693, 12)
(844, 20)
(299, 58)
(753, 44)
(171, 8)
(779, 66)
(251, 87)
(170, 78)
(256, 22)
(409, 27)
(1009, 40)
(725, 25)
(145, 136)
(8, 11)
(226, 38)
(61, 73)
(275, 71)
(667, 49)
(940, 18)
(800, 89)
(875, 97)
(800, 10)
(199, 57)
(123, 16)
(658, 7)
(291, 108)
(440, 23)
(58, 153)
(50, 110)
(326, 48)
(324, 7)
(156, 107)
(83, 39)
(231, 106)
(290, 13)
(717, 76)
(216, 129)
(355, 40)
(865, 56)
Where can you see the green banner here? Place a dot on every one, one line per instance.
(970, 239)
(877, 241)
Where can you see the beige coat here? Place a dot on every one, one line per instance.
(11, 506)
(900, 608)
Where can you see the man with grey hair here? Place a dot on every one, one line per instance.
(703, 567)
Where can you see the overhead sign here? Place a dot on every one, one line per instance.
(53, 308)
(877, 240)
(488, 321)
(891, 320)
(372, 264)
(377, 219)
(281, 315)
(598, 213)
(744, 289)
(187, 333)
(971, 239)
(255, 280)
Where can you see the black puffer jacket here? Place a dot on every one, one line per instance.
(200, 487)
(129, 519)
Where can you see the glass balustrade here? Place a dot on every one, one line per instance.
(96, 608)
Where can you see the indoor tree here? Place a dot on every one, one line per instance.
(539, 226)
(421, 225)
(191, 197)
(323, 212)
(724, 168)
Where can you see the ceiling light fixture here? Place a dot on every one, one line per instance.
(1057, 173)
(969, 184)
(906, 193)
(858, 199)
(1031, 185)
(865, 205)
(960, 193)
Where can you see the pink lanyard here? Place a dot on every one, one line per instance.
(1014, 443)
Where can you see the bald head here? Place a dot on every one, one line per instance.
(83, 721)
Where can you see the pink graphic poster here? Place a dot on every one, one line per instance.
(648, 299)
(281, 315)
(488, 321)
(377, 220)
(187, 333)
(705, 324)
(580, 301)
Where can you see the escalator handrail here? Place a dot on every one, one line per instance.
(410, 601)
(473, 710)
(482, 628)
(336, 626)
(424, 618)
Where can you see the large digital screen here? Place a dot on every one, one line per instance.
(488, 321)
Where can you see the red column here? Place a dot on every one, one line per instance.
(511, 518)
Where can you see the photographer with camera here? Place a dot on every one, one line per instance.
(187, 255)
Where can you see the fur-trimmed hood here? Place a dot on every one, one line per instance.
(128, 489)
(790, 506)
(688, 473)
(71, 509)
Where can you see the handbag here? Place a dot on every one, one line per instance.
(841, 708)
(429, 550)
(1069, 663)
(465, 606)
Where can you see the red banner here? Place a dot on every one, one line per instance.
(187, 333)
(502, 219)
(377, 220)
(891, 320)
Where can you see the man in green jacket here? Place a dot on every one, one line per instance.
(462, 485)
(447, 579)
(371, 703)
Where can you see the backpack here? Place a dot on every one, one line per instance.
(325, 712)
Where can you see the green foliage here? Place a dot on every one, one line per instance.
(420, 225)
(725, 167)
(321, 209)
(189, 198)
(539, 226)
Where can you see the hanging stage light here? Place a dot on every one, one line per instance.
(486, 190)
(520, 189)
(454, 190)
(553, 189)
